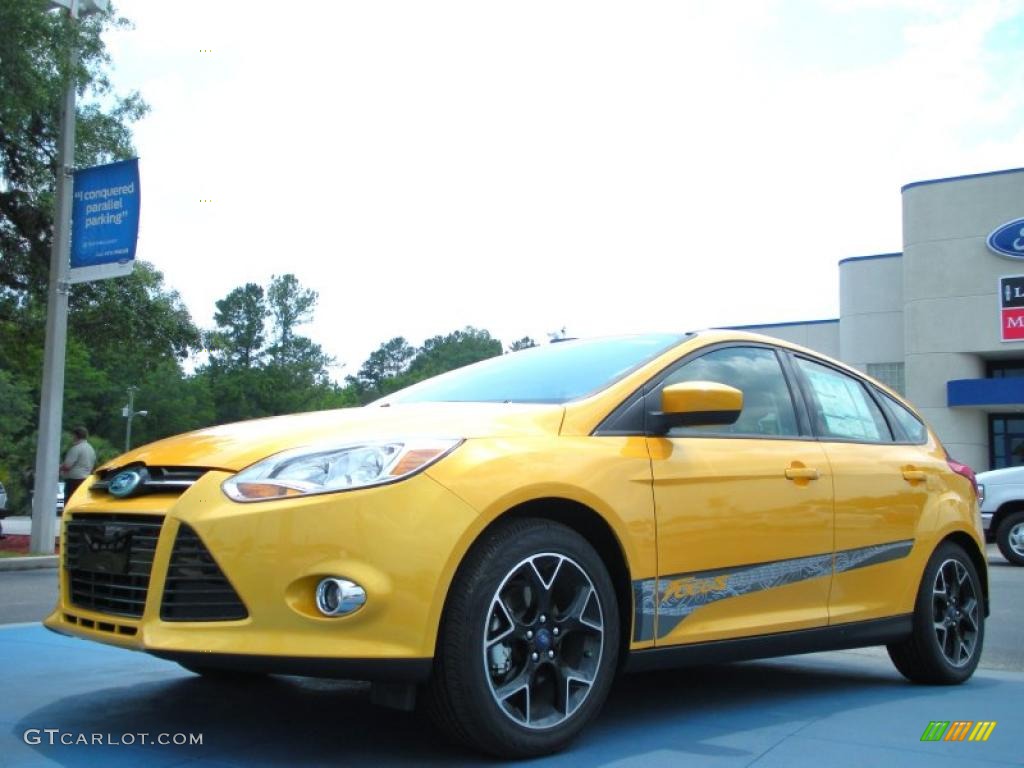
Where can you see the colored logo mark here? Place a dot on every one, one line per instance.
(958, 730)
(1008, 239)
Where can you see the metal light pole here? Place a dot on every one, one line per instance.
(130, 413)
(51, 406)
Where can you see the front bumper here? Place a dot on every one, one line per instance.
(401, 542)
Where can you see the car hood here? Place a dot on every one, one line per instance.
(235, 446)
(1003, 476)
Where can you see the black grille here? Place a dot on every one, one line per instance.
(196, 588)
(173, 480)
(109, 559)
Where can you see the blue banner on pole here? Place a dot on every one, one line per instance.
(104, 221)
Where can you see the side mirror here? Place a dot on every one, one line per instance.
(698, 404)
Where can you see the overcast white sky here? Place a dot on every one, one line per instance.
(522, 166)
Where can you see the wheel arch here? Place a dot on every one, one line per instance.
(970, 546)
(1004, 509)
(589, 524)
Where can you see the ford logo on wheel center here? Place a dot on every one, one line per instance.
(1008, 239)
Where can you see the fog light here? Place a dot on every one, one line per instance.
(339, 597)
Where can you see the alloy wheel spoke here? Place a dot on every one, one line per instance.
(519, 685)
(970, 614)
(541, 585)
(543, 640)
(580, 615)
(570, 681)
(501, 621)
(964, 649)
(956, 612)
(1016, 538)
(941, 632)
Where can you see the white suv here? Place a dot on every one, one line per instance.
(1001, 494)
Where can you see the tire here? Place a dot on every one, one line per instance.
(1010, 537)
(529, 642)
(949, 622)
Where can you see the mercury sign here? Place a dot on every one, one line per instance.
(1011, 308)
(104, 221)
(1008, 239)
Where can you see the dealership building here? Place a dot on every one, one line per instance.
(943, 321)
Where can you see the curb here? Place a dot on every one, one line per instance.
(29, 563)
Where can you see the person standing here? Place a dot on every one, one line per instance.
(78, 462)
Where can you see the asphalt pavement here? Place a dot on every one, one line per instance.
(846, 708)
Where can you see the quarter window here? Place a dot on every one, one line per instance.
(908, 422)
(755, 371)
(842, 407)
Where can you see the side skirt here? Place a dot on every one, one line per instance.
(836, 638)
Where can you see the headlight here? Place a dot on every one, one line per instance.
(328, 469)
(981, 494)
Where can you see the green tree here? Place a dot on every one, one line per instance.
(244, 377)
(290, 305)
(131, 323)
(105, 334)
(382, 369)
(18, 410)
(34, 46)
(239, 337)
(524, 343)
(445, 353)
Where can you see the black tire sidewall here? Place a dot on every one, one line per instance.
(924, 629)
(1003, 537)
(486, 568)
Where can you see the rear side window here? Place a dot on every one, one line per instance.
(915, 431)
(755, 371)
(842, 407)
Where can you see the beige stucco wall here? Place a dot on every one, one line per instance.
(871, 310)
(951, 307)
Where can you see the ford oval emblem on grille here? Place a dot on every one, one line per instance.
(1008, 240)
(126, 482)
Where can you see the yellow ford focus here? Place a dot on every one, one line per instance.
(503, 539)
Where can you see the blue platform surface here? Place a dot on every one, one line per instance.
(834, 709)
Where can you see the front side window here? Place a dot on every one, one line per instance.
(841, 406)
(755, 371)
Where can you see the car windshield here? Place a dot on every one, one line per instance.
(554, 373)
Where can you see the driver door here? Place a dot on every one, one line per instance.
(744, 512)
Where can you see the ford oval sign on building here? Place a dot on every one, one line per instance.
(1008, 240)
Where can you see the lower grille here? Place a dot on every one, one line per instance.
(108, 561)
(196, 588)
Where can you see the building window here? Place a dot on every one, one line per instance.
(1006, 439)
(890, 374)
(1005, 369)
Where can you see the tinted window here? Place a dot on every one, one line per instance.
(842, 407)
(912, 427)
(555, 373)
(755, 371)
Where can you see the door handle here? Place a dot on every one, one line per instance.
(802, 473)
(914, 475)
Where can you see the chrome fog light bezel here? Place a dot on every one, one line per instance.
(336, 596)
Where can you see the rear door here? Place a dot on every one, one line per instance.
(744, 512)
(882, 481)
